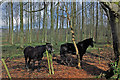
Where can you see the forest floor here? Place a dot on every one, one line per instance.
(94, 63)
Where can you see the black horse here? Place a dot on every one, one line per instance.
(36, 54)
(68, 48)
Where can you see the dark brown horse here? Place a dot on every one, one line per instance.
(68, 48)
(36, 54)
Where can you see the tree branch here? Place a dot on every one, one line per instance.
(105, 9)
(45, 5)
(104, 6)
(26, 3)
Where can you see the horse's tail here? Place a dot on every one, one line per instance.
(61, 51)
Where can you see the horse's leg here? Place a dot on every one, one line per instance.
(29, 62)
(33, 64)
(62, 58)
(26, 64)
(65, 60)
(81, 60)
(68, 61)
(62, 55)
(71, 61)
(39, 61)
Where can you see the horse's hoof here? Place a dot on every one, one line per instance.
(38, 70)
(79, 67)
(32, 70)
(28, 69)
(64, 63)
(68, 64)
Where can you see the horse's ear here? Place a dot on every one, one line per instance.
(46, 46)
(51, 44)
(47, 43)
(92, 39)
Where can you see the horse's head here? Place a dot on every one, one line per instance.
(91, 42)
(49, 47)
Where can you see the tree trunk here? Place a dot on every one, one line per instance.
(46, 22)
(82, 30)
(62, 29)
(102, 26)
(74, 16)
(78, 22)
(52, 24)
(39, 17)
(119, 37)
(108, 33)
(93, 20)
(17, 34)
(57, 25)
(28, 32)
(91, 23)
(115, 35)
(6, 19)
(66, 38)
(85, 27)
(96, 22)
(43, 30)
(9, 32)
(119, 45)
(115, 42)
(31, 22)
(71, 19)
(12, 23)
(21, 25)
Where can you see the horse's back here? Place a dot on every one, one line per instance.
(28, 50)
(40, 49)
(67, 48)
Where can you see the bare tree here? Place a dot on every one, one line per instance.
(30, 22)
(96, 22)
(12, 23)
(52, 23)
(112, 11)
(21, 25)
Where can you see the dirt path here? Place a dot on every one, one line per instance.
(91, 67)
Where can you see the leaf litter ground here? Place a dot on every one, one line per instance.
(93, 64)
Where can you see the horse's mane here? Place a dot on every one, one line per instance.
(85, 41)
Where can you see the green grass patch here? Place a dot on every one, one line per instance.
(12, 51)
